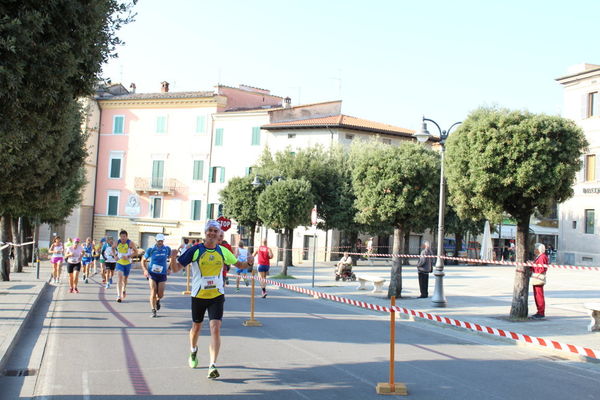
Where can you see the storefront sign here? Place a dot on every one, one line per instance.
(591, 190)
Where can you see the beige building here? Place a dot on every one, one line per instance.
(579, 239)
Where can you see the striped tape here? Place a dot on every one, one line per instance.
(518, 337)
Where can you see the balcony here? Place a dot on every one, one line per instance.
(156, 186)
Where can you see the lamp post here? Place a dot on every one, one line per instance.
(438, 300)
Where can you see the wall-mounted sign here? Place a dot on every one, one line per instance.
(132, 208)
(591, 190)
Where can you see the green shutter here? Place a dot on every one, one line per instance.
(222, 177)
(248, 170)
(211, 174)
(200, 124)
(158, 167)
(198, 170)
(196, 206)
(113, 205)
(161, 124)
(219, 137)
(209, 210)
(256, 136)
(115, 168)
(118, 124)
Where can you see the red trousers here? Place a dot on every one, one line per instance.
(538, 295)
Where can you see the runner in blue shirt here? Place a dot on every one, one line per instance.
(155, 265)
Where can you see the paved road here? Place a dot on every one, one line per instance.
(87, 346)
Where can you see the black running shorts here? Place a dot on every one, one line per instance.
(73, 267)
(214, 307)
(110, 265)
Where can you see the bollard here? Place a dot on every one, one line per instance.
(391, 387)
(187, 281)
(252, 321)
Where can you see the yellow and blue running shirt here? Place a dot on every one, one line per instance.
(123, 250)
(207, 269)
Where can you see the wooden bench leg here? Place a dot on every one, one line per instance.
(595, 324)
(361, 284)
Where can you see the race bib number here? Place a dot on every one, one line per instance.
(157, 269)
(123, 256)
(209, 282)
(87, 254)
(58, 255)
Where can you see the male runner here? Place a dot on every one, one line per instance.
(86, 260)
(158, 258)
(110, 261)
(125, 249)
(264, 254)
(208, 260)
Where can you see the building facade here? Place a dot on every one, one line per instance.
(579, 239)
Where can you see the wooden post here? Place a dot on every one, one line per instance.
(187, 281)
(252, 321)
(391, 387)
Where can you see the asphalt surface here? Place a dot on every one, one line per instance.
(87, 346)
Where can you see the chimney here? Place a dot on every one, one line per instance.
(132, 87)
(287, 102)
(164, 87)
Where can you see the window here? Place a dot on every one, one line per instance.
(210, 210)
(590, 167)
(291, 135)
(219, 137)
(217, 173)
(256, 136)
(111, 233)
(574, 225)
(115, 165)
(386, 141)
(198, 170)
(592, 106)
(156, 207)
(158, 170)
(220, 210)
(589, 221)
(112, 207)
(161, 124)
(200, 124)
(196, 206)
(349, 136)
(118, 124)
(248, 171)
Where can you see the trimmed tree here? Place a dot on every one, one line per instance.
(514, 162)
(240, 202)
(285, 205)
(396, 186)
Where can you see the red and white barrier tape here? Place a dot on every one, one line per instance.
(518, 337)
(8, 244)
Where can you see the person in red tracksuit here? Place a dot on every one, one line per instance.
(224, 243)
(538, 290)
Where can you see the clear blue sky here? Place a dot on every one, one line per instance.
(397, 59)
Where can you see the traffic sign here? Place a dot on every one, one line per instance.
(224, 222)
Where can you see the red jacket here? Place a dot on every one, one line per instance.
(541, 259)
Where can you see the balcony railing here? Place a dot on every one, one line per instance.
(156, 185)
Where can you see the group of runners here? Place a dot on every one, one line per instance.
(209, 262)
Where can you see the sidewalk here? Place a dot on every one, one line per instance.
(477, 294)
(17, 299)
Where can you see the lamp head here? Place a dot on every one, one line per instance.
(424, 134)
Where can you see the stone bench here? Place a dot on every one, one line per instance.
(375, 280)
(594, 309)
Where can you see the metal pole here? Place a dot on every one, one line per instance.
(34, 252)
(392, 342)
(439, 300)
(314, 256)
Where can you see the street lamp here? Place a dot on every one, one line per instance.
(438, 300)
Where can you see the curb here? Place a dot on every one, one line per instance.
(14, 332)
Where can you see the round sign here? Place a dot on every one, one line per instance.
(224, 222)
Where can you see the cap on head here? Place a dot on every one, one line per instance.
(160, 236)
(211, 223)
(76, 240)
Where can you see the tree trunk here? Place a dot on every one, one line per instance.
(27, 237)
(17, 231)
(458, 243)
(395, 287)
(251, 241)
(518, 309)
(287, 249)
(5, 253)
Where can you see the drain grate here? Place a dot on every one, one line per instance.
(20, 372)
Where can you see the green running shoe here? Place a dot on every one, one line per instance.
(193, 360)
(213, 373)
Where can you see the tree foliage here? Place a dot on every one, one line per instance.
(396, 186)
(514, 162)
(240, 202)
(286, 204)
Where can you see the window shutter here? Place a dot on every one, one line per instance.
(584, 106)
(597, 171)
(219, 137)
(115, 168)
(211, 173)
(198, 170)
(581, 172)
(200, 124)
(222, 178)
(119, 123)
(256, 136)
